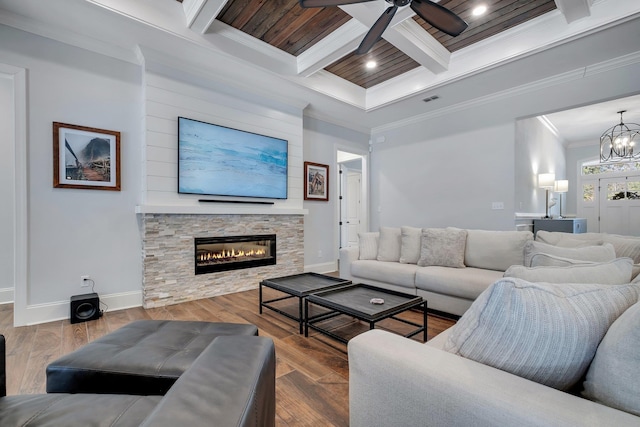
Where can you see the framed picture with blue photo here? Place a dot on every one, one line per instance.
(316, 181)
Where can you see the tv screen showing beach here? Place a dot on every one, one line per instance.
(220, 161)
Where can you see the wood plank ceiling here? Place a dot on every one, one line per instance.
(287, 26)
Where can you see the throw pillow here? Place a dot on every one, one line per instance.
(616, 272)
(624, 246)
(546, 260)
(614, 375)
(506, 248)
(544, 332)
(443, 247)
(389, 244)
(587, 253)
(368, 245)
(410, 245)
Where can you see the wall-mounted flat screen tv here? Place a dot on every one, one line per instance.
(221, 161)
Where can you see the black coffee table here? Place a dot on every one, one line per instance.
(354, 300)
(298, 286)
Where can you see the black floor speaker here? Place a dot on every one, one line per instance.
(85, 307)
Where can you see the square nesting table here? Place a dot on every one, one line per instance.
(355, 300)
(298, 286)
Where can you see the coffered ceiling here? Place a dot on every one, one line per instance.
(287, 26)
(276, 51)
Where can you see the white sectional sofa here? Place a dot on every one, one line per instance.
(389, 259)
(550, 344)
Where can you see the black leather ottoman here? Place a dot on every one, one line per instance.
(144, 357)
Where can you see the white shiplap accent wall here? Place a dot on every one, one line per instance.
(166, 99)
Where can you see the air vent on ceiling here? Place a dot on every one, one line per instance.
(431, 98)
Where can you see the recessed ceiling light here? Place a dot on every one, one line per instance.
(479, 10)
(371, 64)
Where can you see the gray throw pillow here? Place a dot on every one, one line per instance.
(410, 245)
(389, 244)
(443, 247)
(615, 272)
(613, 378)
(368, 245)
(588, 253)
(547, 333)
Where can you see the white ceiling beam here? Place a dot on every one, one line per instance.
(333, 47)
(201, 14)
(422, 47)
(574, 9)
(405, 34)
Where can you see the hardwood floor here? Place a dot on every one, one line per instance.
(312, 373)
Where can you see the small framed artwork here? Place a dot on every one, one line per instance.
(316, 181)
(85, 157)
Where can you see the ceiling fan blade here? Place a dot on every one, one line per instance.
(375, 33)
(440, 17)
(326, 3)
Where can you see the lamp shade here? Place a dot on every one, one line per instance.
(561, 186)
(546, 180)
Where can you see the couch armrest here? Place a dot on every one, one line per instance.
(397, 381)
(347, 256)
(3, 367)
(231, 383)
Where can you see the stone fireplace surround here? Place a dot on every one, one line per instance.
(168, 248)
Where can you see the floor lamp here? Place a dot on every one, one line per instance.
(546, 181)
(561, 186)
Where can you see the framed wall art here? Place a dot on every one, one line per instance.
(85, 157)
(316, 181)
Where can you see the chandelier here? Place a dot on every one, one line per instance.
(618, 143)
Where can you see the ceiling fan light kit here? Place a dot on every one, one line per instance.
(439, 17)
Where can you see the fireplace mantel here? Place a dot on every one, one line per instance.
(218, 209)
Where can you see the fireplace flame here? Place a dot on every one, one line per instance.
(228, 254)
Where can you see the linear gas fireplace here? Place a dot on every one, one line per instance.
(213, 254)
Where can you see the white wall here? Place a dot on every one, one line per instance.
(446, 181)
(7, 274)
(321, 233)
(446, 167)
(78, 232)
(537, 150)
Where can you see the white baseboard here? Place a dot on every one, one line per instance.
(42, 313)
(326, 267)
(6, 295)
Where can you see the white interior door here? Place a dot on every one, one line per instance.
(620, 205)
(353, 203)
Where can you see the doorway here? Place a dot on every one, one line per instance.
(353, 215)
(620, 205)
(609, 197)
(17, 145)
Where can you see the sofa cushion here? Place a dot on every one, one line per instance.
(443, 247)
(388, 272)
(587, 253)
(615, 272)
(506, 248)
(410, 246)
(613, 378)
(368, 245)
(544, 332)
(546, 260)
(459, 282)
(76, 410)
(389, 244)
(624, 246)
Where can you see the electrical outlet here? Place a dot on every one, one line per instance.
(319, 254)
(85, 281)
